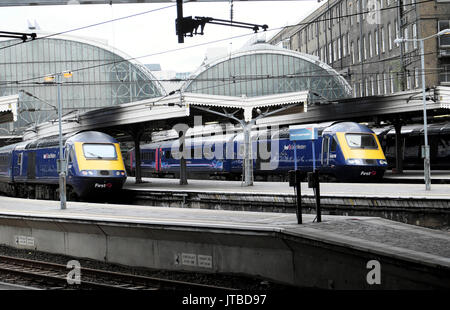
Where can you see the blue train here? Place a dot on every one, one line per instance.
(95, 166)
(344, 151)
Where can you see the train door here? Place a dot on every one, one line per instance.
(325, 159)
(19, 164)
(263, 155)
(158, 159)
(333, 151)
(31, 165)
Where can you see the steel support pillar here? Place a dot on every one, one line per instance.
(398, 148)
(183, 174)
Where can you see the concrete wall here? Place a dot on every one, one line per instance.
(285, 258)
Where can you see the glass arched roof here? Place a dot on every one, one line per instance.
(263, 69)
(102, 76)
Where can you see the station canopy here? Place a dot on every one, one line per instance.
(102, 76)
(262, 69)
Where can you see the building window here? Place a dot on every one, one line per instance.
(397, 32)
(335, 54)
(330, 52)
(444, 41)
(365, 47)
(352, 16)
(385, 83)
(359, 50)
(358, 10)
(405, 36)
(416, 77)
(339, 48)
(352, 52)
(383, 47)
(408, 81)
(391, 79)
(414, 30)
(344, 45)
(370, 46)
(379, 84)
(377, 47)
(329, 17)
(372, 86)
(348, 43)
(389, 36)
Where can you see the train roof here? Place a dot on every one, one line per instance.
(85, 136)
(92, 137)
(348, 127)
(417, 129)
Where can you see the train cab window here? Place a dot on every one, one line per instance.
(19, 159)
(99, 151)
(361, 141)
(71, 156)
(167, 154)
(333, 146)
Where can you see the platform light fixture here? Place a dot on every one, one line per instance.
(57, 79)
(426, 147)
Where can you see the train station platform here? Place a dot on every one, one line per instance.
(407, 203)
(341, 252)
(417, 176)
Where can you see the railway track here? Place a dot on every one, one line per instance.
(54, 276)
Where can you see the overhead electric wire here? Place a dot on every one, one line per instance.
(200, 44)
(235, 78)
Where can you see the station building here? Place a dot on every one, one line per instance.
(356, 38)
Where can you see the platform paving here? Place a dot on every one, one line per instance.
(416, 191)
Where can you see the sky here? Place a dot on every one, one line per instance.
(153, 34)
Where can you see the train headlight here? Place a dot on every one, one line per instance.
(88, 172)
(355, 161)
(382, 162)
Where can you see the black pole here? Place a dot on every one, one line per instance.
(317, 194)
(299, 196)
(179, 21)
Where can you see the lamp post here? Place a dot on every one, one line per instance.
(62, 163)
(426, 148)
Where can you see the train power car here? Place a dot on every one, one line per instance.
(94, 166)
(411, 141)
(344, 151)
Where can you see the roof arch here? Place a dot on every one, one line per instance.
(102, 76)
(263, 69)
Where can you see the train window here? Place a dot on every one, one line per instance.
(361, 141)
(443, 147)
(99, 151)
(333, 146)
(241, 150)
(167, 154)
(71, 156)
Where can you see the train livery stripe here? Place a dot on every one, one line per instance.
(98, 164)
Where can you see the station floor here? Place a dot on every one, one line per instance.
(367, 233)
(438, 191)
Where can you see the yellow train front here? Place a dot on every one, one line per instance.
(95, 165)
(352, 152)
